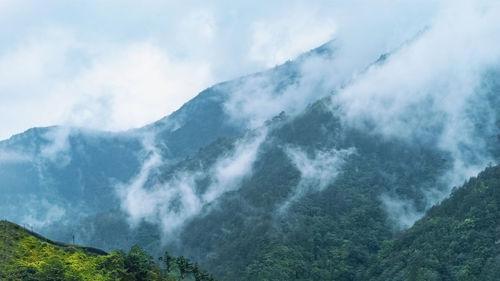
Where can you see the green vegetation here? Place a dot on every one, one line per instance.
(457, 240)
(333, 234)
(343, 232)
(27, 256)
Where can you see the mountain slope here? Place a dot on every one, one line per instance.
(458, 239)
(25, 255)
(62, 175)
(317, 202)
(332, 229)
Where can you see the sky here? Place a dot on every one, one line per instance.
(116, 65)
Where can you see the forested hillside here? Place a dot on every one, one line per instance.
(317, 203)
(25, 255)
(458, 239)
(334, 225)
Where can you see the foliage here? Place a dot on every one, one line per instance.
(456, 240)
(27, 256)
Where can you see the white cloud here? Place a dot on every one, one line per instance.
(58, 146)
(402, 212)
(132, 86)
(317, 171)
(68, 63)
(258, 98)
(427, 90)
(230, 170)
(275, 41)
(7, 156)
(35, 218)
(174, 202)
(54, 78)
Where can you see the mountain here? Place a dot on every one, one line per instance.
(26, 255)
(319, 226)
(318, 202)
(62, 174)
(311, 170)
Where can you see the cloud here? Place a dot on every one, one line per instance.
(7, 156)
(53, 146)
(260, 97)
(128, 88)
(356, 44)
(58, 147)
(99, 86)
(317, 171)
(402, 212)
(172, 203)
(274, 41)
(230, 170)
(41, 213)
(430, 90)
(115, 65)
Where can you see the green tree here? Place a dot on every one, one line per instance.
(139, 263)
(183, 265)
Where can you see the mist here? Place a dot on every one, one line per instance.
(428, 87)
(317, 171)
(172, 203)
(430, 90)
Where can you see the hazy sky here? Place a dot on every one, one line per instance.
(115, 65)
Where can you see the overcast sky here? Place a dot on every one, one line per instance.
(120, 64)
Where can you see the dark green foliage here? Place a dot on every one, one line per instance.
(168, 260)
(456, 240)
(139, 263)
(183, 265)
(327, 235)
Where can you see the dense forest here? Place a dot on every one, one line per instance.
(456, 240)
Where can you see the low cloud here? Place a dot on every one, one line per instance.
(57, 150)
(39, 213)
(174, 202)
(53, 146)
(274, 41)
(291, 88)
(100, 85)
(13, 157)
(430, 90)
(401, 212)
(317, 171)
